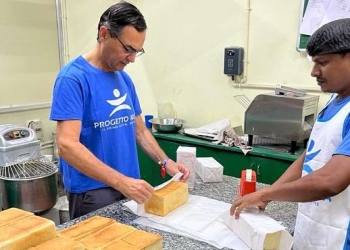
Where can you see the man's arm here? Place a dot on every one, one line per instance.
(323, 183)
(293, 172)
(147, 141)
(77, 155)
(151, 147)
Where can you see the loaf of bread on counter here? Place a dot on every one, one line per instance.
(11, 215)
(106, 235)
(120, 244)
(144, 240)
(167, 199)
(26, 232)
(59, 243)
(272, 241)
(86, 227)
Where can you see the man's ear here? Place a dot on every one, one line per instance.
(103, 33)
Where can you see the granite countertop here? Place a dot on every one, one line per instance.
(225, 191)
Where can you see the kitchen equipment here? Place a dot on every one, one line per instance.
(167, 125)
(243, 100)
(286, 113)
(27, 179)
(55, 149)
(247, 182)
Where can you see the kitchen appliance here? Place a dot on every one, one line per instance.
(28, 180)
(286, 113)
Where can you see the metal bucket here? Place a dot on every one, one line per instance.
(35, 195)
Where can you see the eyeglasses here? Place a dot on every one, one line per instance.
(129, 50)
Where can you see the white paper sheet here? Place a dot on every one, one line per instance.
(337, 9)
(313, 16)
(320, 12)
(201, 218)
(214, 130)
(197, 219)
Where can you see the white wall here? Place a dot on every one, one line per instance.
(28, 60)
(184, 52)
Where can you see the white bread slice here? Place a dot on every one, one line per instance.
(145, 240)
(106, 235)
(272, 241)
(85, 228)
(27, 232)
(120, 244)
(167, 199)
(59, 243)
(11, 215)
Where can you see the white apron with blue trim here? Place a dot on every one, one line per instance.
(323, 224)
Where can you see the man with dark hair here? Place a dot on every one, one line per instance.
(99, 120)
(319, 179)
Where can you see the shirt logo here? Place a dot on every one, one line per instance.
(310, 155)
(118, 102)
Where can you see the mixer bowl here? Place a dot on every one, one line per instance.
(167, 125)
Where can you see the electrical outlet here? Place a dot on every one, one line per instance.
(37, 126)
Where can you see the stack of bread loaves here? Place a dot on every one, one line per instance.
(21, 230)
(24, 230)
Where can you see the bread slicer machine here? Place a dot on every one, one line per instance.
(286, 114)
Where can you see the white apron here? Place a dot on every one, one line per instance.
(323, 224)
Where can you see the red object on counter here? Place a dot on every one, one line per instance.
(162, 168)
(247, 185)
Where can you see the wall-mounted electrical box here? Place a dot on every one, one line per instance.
(233, 61)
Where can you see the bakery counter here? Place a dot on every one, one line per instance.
(225, 191)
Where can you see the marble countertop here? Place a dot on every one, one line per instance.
(225, 191)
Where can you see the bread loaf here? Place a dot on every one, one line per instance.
(106, 235)
(144, 240)
(59, 243)
(85, 228)
(167, 199)
(120, 244)
(27, 232)
(11, 215)
(272, 241)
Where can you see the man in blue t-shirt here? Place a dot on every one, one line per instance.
(99, 120)
(319, 179)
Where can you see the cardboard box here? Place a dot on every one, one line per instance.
(209, 170)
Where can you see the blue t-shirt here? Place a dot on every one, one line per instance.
(107, 104)
(327, 113)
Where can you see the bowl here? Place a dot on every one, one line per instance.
(167, 125)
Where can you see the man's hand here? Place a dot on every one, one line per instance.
(172, 168)
(248, 200)
(138, 190)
